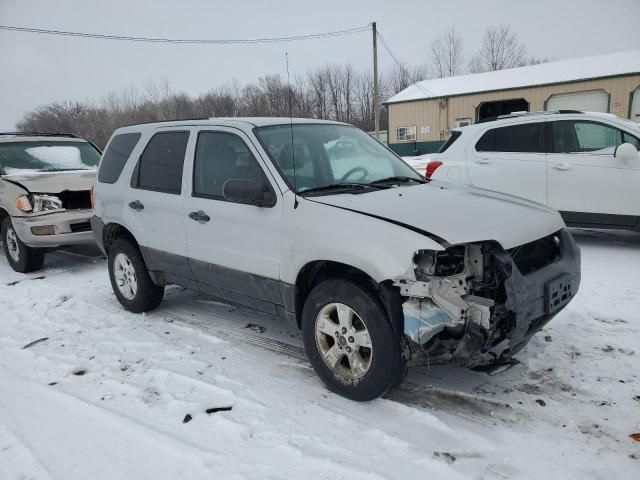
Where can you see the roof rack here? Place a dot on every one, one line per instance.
(40, 134)
(166, 121)
(527, 114)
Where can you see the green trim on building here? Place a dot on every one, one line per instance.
(415, 148)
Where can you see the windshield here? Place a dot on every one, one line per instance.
(329, 155)
(47, 156)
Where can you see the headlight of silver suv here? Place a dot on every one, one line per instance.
(38, 203)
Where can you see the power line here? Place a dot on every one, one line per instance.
(187, 41)
(403, 68)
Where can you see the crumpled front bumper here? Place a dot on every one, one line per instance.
(532, 300)
(70, 227)
(531, 303)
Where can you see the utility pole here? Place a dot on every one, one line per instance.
(376, 94)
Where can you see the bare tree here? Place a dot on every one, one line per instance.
(500, 49)
(401, 76)
(447, 57)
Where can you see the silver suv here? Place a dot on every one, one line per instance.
(45, 194)
(321, 224)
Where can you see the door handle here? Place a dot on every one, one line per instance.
(562, 166)
(136, 205)
(483, 161)
(199, 216)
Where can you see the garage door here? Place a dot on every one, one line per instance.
(591, 101)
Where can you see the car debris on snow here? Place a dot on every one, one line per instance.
(35, 342)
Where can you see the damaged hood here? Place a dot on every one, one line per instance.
(53, 182)
(455, 214)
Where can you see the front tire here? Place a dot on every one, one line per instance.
(21, 257)
(350, 341)
(130, 278)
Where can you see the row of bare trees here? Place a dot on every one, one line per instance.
(337, 92)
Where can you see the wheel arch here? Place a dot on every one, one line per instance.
(317, 271)
(114, 231)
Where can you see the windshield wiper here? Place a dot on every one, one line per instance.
(397, 179)
(339, 186)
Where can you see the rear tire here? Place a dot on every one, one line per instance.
(21, 257)
(350, 341)
(130, 278)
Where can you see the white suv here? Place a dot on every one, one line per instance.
(584, 164)
(319, 223)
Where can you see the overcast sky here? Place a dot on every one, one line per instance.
(39, 69)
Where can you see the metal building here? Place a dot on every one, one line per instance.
(421, 116)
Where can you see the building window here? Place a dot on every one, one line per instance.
(406, 134)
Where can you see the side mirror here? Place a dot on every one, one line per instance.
(248, 191)
(627, 152)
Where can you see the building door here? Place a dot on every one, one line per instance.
(590, 101)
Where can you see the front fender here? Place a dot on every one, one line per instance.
(315, 231)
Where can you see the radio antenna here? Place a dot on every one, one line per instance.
(293, 150)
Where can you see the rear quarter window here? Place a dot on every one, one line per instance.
(523, 138)
(455, 134)
(116, 156)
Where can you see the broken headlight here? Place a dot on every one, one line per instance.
(443, 263)
(38, 203)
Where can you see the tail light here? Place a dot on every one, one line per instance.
(93, 198)
(431, 168)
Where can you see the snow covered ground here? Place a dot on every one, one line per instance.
(106, 395)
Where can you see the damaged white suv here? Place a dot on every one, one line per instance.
(319, 223)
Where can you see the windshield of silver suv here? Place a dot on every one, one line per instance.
(47, 156)
(320, 158)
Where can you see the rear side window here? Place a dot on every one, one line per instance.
(454, 136)
(525, 138)
(116, 156)
(160, 167)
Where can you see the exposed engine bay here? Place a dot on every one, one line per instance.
(477, 304)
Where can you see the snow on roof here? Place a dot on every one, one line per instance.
(621, 63)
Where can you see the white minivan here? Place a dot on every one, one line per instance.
(584, 164)
(319, 223)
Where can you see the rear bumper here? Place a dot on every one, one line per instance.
(532, 301)
(69, 228)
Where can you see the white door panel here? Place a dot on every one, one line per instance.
(586, 177)
(593, 184)
(240, 237)
(156, 217)
(493, 165)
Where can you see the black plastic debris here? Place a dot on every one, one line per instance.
(35, 342)
(51, 384)
(446, 456)
(79, 371)
(541, 402)
(255, 328)
(187, 418)
(218, 409)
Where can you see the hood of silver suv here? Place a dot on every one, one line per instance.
(53, 182)
(456, 214)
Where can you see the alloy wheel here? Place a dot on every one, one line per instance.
(343, 341)
(125, 276)
(12, 245)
